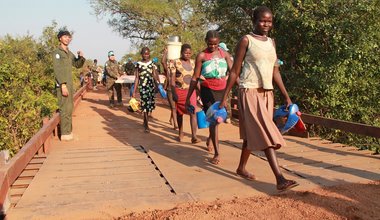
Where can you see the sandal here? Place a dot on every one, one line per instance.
(247, 176)
(147, 130)
(287, 185)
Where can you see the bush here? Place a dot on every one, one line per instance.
(26, 92)
(331, 54)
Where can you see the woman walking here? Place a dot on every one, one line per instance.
(212, 65)
(181, 71)
(256, 100)
(146, 81)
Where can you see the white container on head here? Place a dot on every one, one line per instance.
(174, 47)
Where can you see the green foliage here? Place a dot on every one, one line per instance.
(232, 17)
(334, 71)
(149, 23)
(331, 53)
(26, 91)
(27, 86)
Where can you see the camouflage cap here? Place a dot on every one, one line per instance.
(111, 53)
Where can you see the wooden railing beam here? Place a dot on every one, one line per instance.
(352, 127)
(355, 128)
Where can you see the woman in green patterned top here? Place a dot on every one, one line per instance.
(211, 68)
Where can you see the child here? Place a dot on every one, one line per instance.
(146, 79)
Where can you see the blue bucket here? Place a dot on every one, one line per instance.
(202, 120)
(162, 91)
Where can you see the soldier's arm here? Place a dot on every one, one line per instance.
(110, 71)
(58, 66)
(78, 61)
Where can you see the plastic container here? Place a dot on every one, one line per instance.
(162, 91)
(292, 116)
(131, 90)
(216, 114)
(300, 126)
(134, 104)
(191, 109)
(202, 120)
(174, 47)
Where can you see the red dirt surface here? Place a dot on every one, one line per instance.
(351, 201)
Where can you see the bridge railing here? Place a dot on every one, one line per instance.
(38, 144)
(352, 127)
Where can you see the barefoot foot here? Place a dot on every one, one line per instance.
(215, 160)
(246, 175)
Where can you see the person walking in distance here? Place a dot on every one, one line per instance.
(63, 60)
(129, 69)
(95, 74)
(112, 71)
(257, 52)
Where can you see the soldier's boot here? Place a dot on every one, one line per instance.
(67, 137)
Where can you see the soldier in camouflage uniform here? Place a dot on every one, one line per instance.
(129, 69)
(113, 72)
(63, 60)
(95, 74)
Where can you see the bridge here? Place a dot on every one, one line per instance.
(112, 167)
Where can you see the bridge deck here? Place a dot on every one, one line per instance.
(112, 167)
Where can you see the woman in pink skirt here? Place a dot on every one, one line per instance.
(181, 70)
(256, 100)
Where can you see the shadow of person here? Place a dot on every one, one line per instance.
(191, 160)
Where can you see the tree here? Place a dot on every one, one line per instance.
(331, 54)
(150, 22)
(26, 91)
(233, 18)
(27, 86)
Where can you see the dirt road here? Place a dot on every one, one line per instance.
(350, 201)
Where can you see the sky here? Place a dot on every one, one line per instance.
(92, 35)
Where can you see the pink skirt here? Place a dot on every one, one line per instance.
(256, 120)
